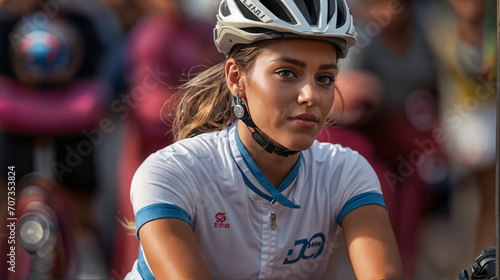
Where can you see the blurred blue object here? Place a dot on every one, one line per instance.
(46, 54)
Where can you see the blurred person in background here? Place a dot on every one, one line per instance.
(397, 107)
(58, 62)
(468, 113)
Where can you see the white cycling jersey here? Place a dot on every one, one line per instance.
(244, 227)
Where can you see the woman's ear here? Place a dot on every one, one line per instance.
(234, 77)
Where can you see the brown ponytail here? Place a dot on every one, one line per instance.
(205, 104)
(205, 101)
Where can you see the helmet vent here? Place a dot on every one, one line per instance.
(224, 9)
(246, 12)
(279, 10)
(341, 14)
(332, 6)
(257, 30)
(309, 9)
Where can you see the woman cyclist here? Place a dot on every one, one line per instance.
(246, 192)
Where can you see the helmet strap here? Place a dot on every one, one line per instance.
(241, 112)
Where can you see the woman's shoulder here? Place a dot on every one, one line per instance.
(323, 151)
(187, 156)
(202, 145)
(330, 156)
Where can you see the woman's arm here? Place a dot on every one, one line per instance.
(371, 244)
(171, 250)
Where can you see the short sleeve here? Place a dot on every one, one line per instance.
(160, 189)
(361, 185)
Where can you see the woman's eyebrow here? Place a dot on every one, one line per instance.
(303, 64)
(291, 61)
(328, 66)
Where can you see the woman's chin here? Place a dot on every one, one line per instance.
(299, 143)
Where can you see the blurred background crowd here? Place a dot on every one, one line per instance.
(87, 92)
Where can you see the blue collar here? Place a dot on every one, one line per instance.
(275, 193)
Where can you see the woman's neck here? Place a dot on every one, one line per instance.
(274, 167)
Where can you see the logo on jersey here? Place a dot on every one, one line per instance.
(305, 249)
(220, 219)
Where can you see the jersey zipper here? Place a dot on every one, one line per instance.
(273, 221)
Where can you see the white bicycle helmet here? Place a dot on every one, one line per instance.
(248, 21)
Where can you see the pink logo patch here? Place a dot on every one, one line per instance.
(220, 218)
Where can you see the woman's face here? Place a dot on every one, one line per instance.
(290, 90)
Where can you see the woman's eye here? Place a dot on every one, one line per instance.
(326, 80)
(286, 74)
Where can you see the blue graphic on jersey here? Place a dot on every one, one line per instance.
(311, 248)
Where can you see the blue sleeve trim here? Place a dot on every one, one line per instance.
(143, 268)
(360, 200)
(158, 211)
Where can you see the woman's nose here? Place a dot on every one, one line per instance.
(308, 94)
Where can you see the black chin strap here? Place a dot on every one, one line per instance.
(268, 147)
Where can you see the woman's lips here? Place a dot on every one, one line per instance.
(305, 120)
